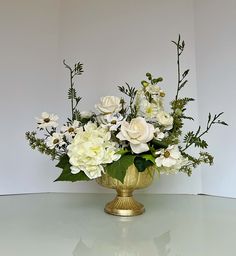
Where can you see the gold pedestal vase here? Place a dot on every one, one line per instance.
(124, 204)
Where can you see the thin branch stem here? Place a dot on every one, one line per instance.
(178, 67)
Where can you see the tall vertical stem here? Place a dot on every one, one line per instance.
(72, 100)
(178, 66)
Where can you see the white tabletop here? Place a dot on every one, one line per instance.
(75, 225)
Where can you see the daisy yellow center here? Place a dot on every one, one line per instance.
(113, 122)
(46, 120)
(162, 94)
(71, 129)
(166, 154)
(55, 141)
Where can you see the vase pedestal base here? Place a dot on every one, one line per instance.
(125, 206)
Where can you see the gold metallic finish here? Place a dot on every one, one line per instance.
(124, 204)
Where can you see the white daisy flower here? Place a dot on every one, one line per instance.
(69, 130)
(112, 121)
(55, 140)
(168, 157)
(47, 120)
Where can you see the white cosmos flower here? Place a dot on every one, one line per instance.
(109, 105)
(90, 149)
(55, 140)
(138, 132)
(112, 121)
(165, 119)
(180, 162)
(47, 120)
(69, 130)
(168, 157)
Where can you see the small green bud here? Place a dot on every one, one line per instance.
(157, 80)
(178, 112)
(149, 76)
(145, 83)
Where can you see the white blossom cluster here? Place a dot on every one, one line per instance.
(92, 145)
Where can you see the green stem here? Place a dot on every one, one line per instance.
(72, 100)
(198, 137)
(178, 66)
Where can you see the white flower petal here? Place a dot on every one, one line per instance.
(139, 148)
(168, 162)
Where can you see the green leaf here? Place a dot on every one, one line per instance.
(118, 168)
(66, 174)
(122, 151)
(71, 93)
(159, 144)
(141, 164)
(148, 157)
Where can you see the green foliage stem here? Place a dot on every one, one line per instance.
(40, 145)
(72, 95)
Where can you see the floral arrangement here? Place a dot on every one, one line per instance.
(134, 129)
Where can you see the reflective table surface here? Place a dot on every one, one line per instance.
(75, 225)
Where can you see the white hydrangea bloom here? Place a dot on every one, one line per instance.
(90, 149)
(55, 140)
(47, 120)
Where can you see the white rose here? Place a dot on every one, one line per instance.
(86, 114)
(165, 119)
(109, 105)
(138, 132)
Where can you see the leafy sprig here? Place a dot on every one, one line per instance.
(131, 93)
(40, 145)
(193, 162)
(195, 139)
(72, 94)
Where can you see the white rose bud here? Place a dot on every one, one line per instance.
(109, 105)
(165, 119)
(86, 114)
(138, 132)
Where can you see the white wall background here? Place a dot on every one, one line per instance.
(216, 80)
(118, 41)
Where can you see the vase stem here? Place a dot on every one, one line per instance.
(124, 205)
